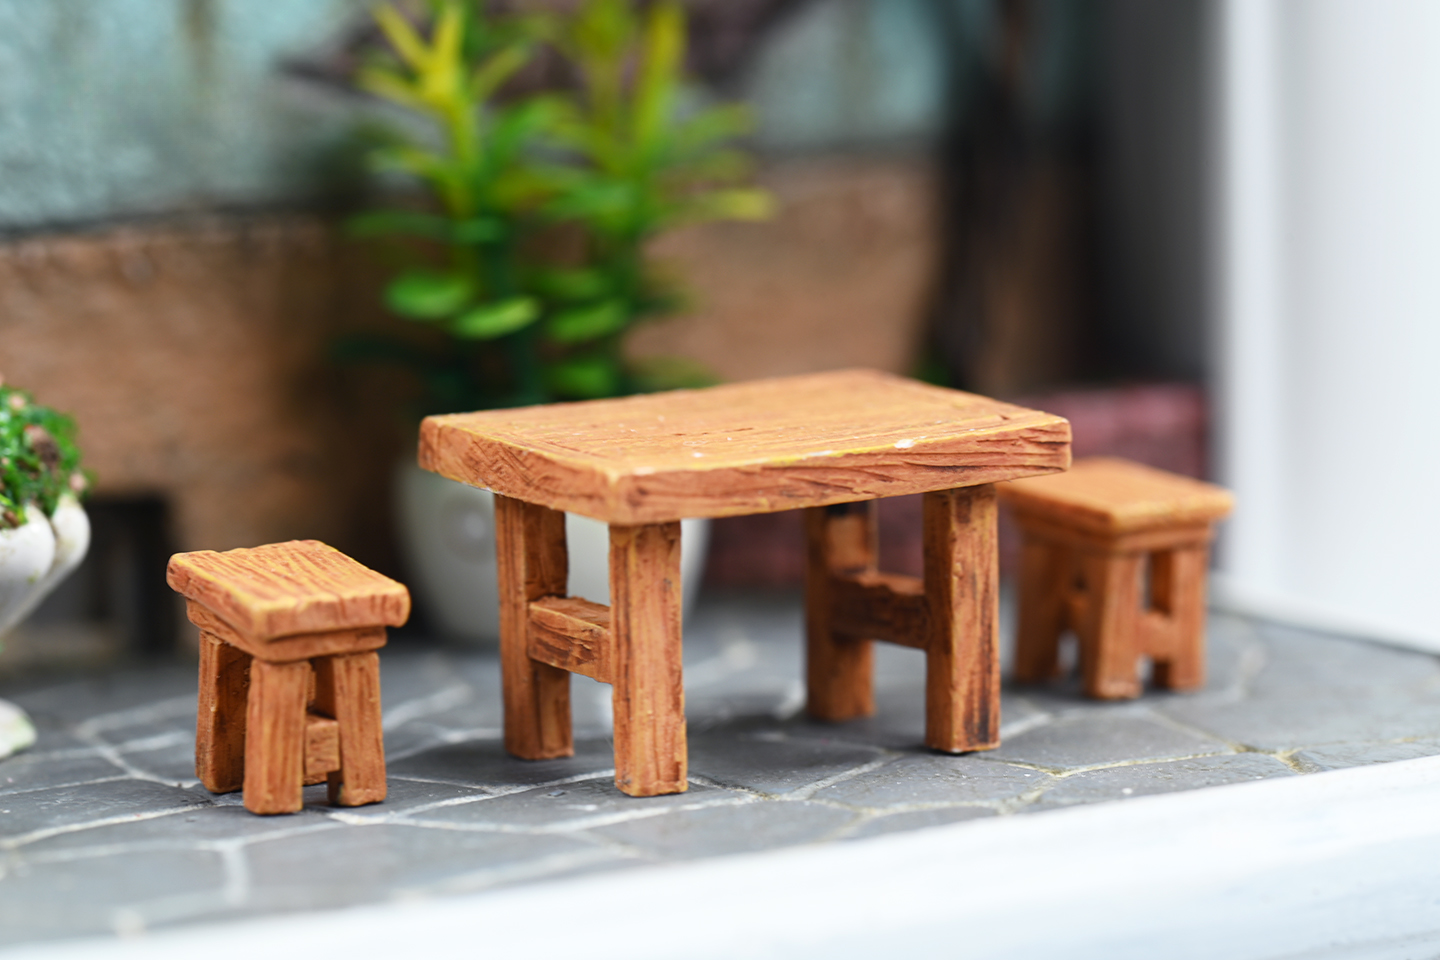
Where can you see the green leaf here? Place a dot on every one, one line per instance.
(659, 81)
(491, 320)
(402, 36)
(585, 378)
(713, 125)
(582, 324)
(573, 285)
(479, 230)
(501, 66)
(593, 199)
(424, 295)
(386, 83)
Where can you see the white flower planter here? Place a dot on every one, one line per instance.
(34, 558)
(447, 537)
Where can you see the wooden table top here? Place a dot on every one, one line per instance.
(283, 589)
(1112, 497)
(745, 448)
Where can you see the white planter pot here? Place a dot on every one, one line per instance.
(447, 537)
(34, 558)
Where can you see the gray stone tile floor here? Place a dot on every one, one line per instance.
(104, 830)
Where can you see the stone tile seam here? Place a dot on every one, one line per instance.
(345, 816)
(13, 843)
(219, 847)
(119, 776)
(577, 824)
(876, 815)
(1195, 730)
(514, 873)
(448, 738)
(621, 849)
(132, 716)
(416, 708)
(1060, 773)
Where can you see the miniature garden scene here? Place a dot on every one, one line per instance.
(791, 477)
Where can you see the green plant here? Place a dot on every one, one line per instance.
(39, 460)
(540, 206)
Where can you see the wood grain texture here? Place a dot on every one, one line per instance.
(287, 649)
(322, 748)
(572, 634)
(1137, 541)
(841, 541)
(348, 689)
(220, 722)
(1177, 581)
(649, 694)
(1108, 625)
(275, 737)
(962, 676)
(881, 606)
(1108, 496)
(1089, 537)
(1047, 573)
(745, 448)
(283, 589)
(532, 563)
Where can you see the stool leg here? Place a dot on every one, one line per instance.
(962, 673)
(1044, 569)
(649, 693)
(348, 688)
(532, 563)
(839, 670)
(220, 724)
(1177, 579)
(1109, 632)
(275, 737)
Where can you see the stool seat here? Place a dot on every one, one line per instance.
(289, 676)
(283, 589)
(1115, 551)
(1107, 496)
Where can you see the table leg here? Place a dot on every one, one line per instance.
(532, 562)
(839, 670)
(275, 737)
(1110, 629)
(962, 676)
(649, 693)
(220, 724)
(347, 688)
(1045, 571)
(1177, 584)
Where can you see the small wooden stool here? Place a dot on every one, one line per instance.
(828, 442)
(289, 676)
(1088, 535)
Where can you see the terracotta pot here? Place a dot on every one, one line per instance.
(447, 537)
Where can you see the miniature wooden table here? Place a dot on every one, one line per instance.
(828, 442)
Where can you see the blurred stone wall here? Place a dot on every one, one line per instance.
(194, 357)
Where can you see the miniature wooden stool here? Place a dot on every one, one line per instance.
(289, 676)
(1088, 536)
(822, 442)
